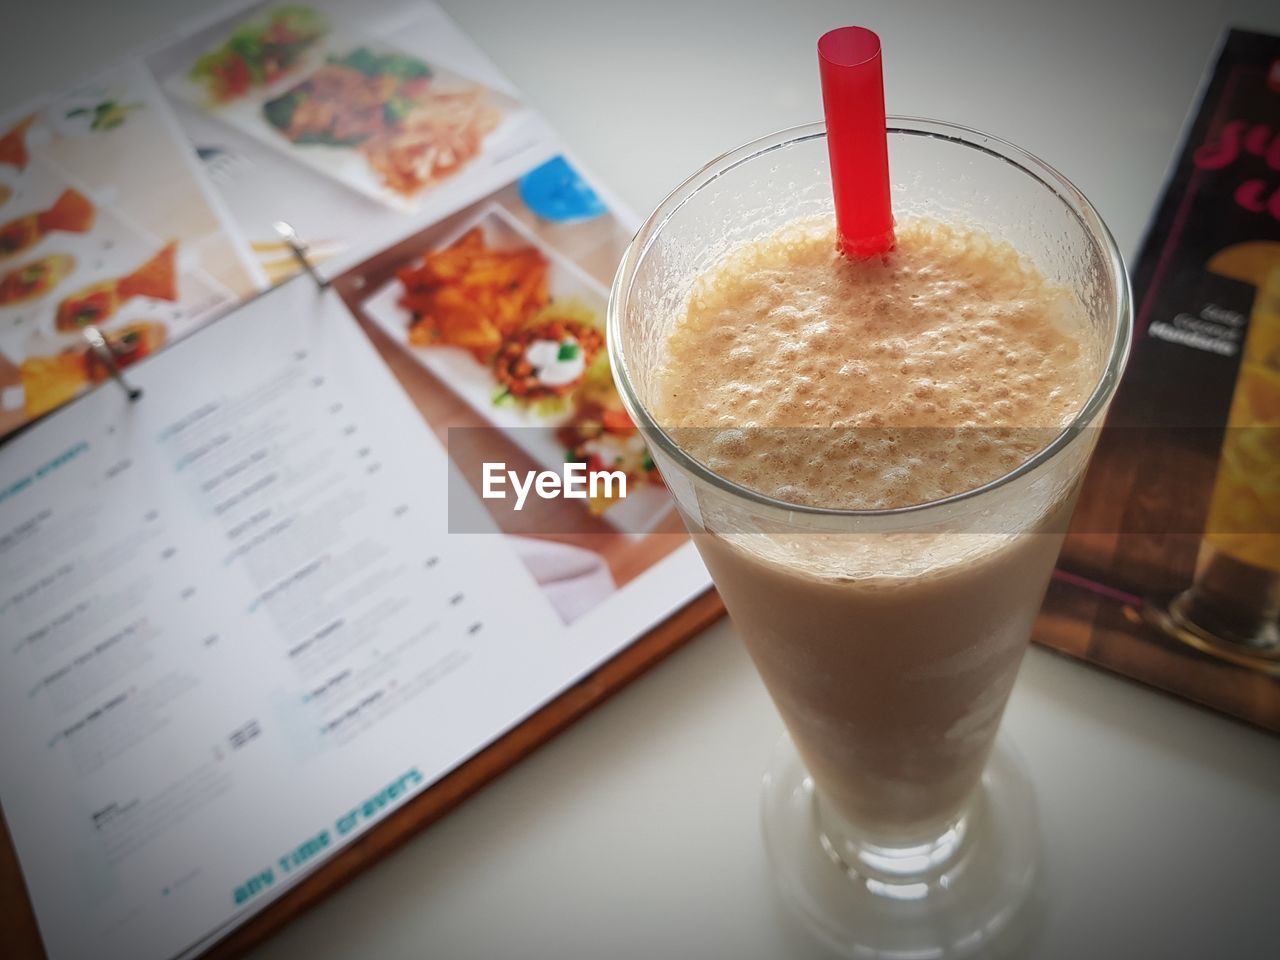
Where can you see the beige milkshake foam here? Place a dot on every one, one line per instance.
(872, 385)
(954, 333)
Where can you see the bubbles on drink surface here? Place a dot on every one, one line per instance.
(869, 385)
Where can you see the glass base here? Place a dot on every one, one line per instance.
(1187, 621)
(955, 897)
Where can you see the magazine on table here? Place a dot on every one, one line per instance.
(1171, 572)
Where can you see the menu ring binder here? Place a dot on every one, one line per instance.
(102, 350)
(299, 249)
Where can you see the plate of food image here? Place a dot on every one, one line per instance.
(69, 261)
(517, 332)
(386, 123)
(50, 380)
(34, 279)
(259, 52)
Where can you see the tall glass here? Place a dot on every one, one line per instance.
(889, 640)
(1232, 609)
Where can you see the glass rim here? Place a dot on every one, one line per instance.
(1025, 161)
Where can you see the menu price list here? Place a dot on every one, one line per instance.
(234, 632)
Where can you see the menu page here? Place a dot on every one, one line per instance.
(246, 616)
(235, 631)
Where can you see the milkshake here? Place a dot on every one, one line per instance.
(874, 386)
(877, 459)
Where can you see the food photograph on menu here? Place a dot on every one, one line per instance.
(357, 126)
(106, 223)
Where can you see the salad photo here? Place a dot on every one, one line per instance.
(385, 107)
(377, 119)
(258, 53)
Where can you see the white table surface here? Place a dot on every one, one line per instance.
(635, 834)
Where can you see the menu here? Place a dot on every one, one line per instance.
(250, 613)
(236, 631)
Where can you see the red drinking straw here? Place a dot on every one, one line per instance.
(853, 100)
